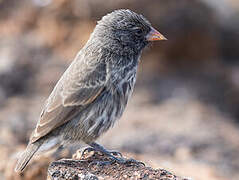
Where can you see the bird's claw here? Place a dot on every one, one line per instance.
(116, 153)
(114, 156)
(87, 150)
(133, 161)
(90, 149)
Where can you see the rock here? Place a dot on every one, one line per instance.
(98, 166)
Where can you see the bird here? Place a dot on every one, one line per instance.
(94, 90)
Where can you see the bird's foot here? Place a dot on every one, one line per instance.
(116, 153)
(113, 155)
(90, 149)
(87, 150)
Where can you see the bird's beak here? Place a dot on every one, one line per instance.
(154, 35)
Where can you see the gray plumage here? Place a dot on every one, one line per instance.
(93, 92)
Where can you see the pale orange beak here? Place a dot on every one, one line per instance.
(154, 35)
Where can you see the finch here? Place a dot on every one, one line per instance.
(93, 92)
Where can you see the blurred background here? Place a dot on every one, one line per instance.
(184, 113)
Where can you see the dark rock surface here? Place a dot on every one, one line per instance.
(88, 168)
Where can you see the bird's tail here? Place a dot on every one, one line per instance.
(26, 156)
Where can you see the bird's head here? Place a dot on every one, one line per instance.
(125, 31)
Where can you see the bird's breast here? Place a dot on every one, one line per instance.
(122, 89)
(106, 109)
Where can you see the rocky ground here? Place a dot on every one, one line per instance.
(183, 115)
(93, 165)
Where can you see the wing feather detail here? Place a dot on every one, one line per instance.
(79, 86)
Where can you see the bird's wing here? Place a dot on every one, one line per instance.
(79, 86)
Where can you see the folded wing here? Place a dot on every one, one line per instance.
(79, 86)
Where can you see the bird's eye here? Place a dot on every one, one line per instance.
(138, 32)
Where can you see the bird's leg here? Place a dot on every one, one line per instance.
(110, 154)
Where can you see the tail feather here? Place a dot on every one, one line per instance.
(26, 156)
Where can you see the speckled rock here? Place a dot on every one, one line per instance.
(91, 168)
